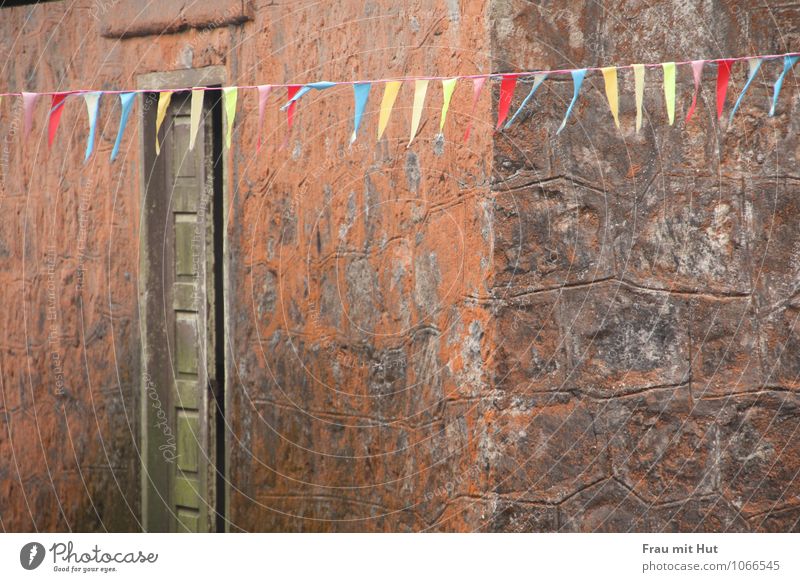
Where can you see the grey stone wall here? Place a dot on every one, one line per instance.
(645, 283)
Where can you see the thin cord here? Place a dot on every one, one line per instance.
(435, 78)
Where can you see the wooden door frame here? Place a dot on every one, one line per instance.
(159, 81)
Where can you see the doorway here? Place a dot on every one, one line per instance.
(182, 313)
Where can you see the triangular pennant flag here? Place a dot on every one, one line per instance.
(164, 97)
(612, 93)
(723, 74)
(389, 95)
(360, 94)
(263, 93)
(577, 81)
(788, 63)
(196, 113)
(126, 101)
(537, 80)
(448, 86)
(229, 95)
(28, 101)
(56, 109)
(92, 107)
(638, 84)
(669, 90)
(477, 85)
(420, 88)
(753, 66)
(291, 91)
(319, 86)
(507, 86)
(697, 73)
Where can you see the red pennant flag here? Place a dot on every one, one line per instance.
(723, 74)
(507, 86)
(56, 109)
(292, 90)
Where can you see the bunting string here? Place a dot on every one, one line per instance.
(362, 89)
(429, 78)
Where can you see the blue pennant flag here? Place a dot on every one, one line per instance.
(319, 86)
(537, 80)
(754, 65)
(361, 93)
(788, 63)
(577, 81)
(126, 99)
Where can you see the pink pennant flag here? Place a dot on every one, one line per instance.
(477, 85)
(56, 109)
(507, 86)
(723, 74)
(697, 72)
(292, 91)
(263, 93)
(28, 101)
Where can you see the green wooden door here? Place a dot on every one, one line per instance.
(180, 322)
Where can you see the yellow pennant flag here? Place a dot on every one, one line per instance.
(612, 93)
(164, 97)
(389, 95)
(196, 114)
(229, 99)
(448, 86)
(669, 89)
(420, 88)
(638, 82)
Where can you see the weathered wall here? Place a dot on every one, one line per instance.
(355, 335)
(69, 241)
(69, 355)
(360, 343)
(594, 331)
(645, 282)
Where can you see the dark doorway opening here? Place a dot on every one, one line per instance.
(183, 423)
